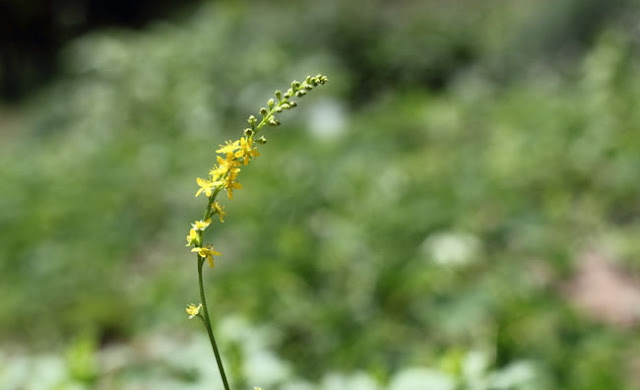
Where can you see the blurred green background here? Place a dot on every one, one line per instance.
(458, 208)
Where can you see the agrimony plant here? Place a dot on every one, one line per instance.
(231, 158)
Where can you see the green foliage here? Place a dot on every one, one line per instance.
(425, 221)
(81, 361)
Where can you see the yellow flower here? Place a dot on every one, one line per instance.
(193, 310)
(193, 238)
(246, 151)
(207, 252)
(217, 172)
(230, 184)
(201, 225)
(206, 186)
(225, 165)
(217, 209)
(230, 147)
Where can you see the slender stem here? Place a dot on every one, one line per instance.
(207, 324)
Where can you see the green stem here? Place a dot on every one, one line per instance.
(207, 324)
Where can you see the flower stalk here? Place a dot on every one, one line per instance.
(224, 177)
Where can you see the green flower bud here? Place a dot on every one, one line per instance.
(279, 94)
(271, 103)
(301, 93)
(292, 104)
(252, 120)
(261, 140)
(318, 79)
(273, 121)
(263, 111)
(279, 109)
(295, 84)
(248, 132)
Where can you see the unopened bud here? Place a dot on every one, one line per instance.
(273, 121)
(318, 79)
